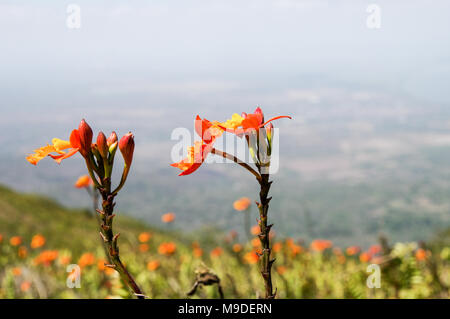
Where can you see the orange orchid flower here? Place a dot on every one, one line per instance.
(247, 123)
(210, 131)
(197, 154)
(80, 141)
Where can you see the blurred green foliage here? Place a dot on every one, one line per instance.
(71, 237)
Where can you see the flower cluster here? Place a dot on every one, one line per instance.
(99, 156)
(252, 126)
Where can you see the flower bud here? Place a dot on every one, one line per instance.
(86, 134)
(244, 115)
(102, 145)
(269, 131)
(258, 111)
(112, 149)
(126, 146)
(112, 139)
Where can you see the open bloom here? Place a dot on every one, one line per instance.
(247, 122)
(80, 141)
(209, 131)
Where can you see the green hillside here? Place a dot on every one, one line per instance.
(27, 214)
(27, 271)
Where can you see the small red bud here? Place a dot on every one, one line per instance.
(112, 139)
(102, 145)
(259, 112)
(244, 115)
(126, 146)
(86, 134)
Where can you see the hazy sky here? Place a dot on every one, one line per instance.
(210, 46)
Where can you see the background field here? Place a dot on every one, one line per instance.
(300, 271)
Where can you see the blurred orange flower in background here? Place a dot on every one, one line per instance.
(198, 252)
(37, 241)
(277, 247)
(255, 230)
(374, 249)
(23, 252)
(295, 249)
(256, 242)
(216, 252)
(237, 248)
(352, 250)
(25, 286)
(64, 260)
(101, 265)
(232, 235)
(144, 237)
(365, 257)
(321, 244)
(168, 218)
(143, 248)
(83, 181)
(1, 238)
(242, 204)
(46, 257)
(87, 259)
(15, 240)
(281, 270)
(167, 248)
(422, 254)
(251, 257)
(16, 271)
(153, 265)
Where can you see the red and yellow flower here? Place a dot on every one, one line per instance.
(210, 131)
(80, 141)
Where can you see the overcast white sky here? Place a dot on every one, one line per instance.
(209, 45)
